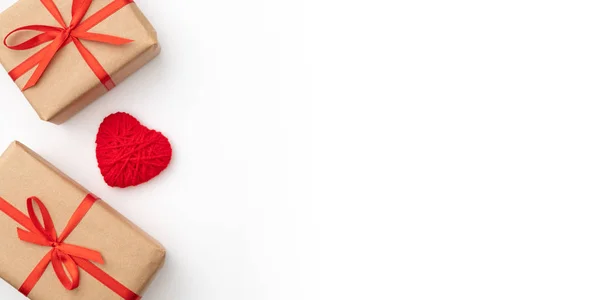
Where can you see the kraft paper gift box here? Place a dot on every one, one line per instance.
(131, 257)
(70, 82)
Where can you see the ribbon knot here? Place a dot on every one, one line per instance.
(61, 36)
(62, 255)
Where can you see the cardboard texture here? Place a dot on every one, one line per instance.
(68, 85)
(131, 256)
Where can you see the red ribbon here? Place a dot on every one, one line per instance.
(62, 36)
(62, 255)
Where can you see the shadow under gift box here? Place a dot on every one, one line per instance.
(131, 256)
(69, 84)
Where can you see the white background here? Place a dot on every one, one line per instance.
(331, 149)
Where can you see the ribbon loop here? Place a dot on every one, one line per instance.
(34, 238)
(61, 36)
(59, 260)
(48, 33)
(48, 229)
(81, 252)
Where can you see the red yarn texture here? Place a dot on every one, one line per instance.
(129, 153)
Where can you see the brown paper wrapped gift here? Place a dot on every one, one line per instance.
(130, 256)
(69, 84)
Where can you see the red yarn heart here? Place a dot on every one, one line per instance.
(128, 152)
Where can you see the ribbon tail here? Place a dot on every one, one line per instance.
(33, 237)
(36, 274)
(27, 65)
(106, 279)
(47, 57)
(102, 38)
(81, 252)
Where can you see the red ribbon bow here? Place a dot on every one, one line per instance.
(62, 255)
(62, 36)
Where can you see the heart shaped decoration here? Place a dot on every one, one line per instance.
(128, 152)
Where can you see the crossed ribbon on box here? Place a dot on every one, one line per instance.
(62, 36)
(62, 255)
